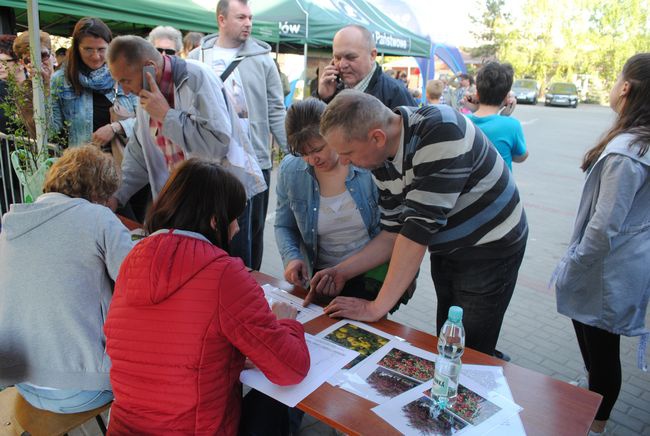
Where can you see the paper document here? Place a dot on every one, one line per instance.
(326, 359)
(305, 314)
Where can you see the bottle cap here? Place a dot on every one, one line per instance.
(455, 314)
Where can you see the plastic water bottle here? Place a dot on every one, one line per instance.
(451, 345)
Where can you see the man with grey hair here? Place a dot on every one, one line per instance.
(182, 113)
(254, 83)
(354, 67)
(443, 186)
(167, 40)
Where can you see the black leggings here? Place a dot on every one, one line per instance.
(601, 353)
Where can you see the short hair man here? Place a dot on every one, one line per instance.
(60, 55)
(493, 83)
(354, 66)
(257, 90)
(182, 114)
(443, 187)
(167, 40)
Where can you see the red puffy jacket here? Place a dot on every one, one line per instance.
(183, 316)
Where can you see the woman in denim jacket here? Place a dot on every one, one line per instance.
(603, 282)
(326, 211)
(83, 91)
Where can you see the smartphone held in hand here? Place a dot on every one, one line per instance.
(145, 79)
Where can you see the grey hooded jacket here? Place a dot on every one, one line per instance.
(57, 259)
(199, 123)
(263, 90)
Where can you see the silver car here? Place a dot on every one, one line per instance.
(526, 90)
(561, 94)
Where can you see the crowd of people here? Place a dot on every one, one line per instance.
(177, 133)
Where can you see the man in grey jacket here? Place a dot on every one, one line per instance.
(256, 89)
(183, 113)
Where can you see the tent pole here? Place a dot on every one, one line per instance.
(277, 49)
(37, 81)
(305, 88)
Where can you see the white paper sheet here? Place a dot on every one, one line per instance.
(326, 359)
(477, 414)
(356, 336)
(492, 378)
(305, 314)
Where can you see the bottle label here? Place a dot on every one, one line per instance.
(440, 384)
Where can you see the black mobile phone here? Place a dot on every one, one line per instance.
(145, 80)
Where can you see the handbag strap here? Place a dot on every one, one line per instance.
(231, 67)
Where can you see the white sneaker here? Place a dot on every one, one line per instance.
(595, 433)
(580, 382)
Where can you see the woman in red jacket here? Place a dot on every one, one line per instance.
(185, 315)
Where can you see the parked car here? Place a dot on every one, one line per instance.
(526, 90)
(561, 94)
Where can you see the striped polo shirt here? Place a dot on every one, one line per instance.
(448, 188)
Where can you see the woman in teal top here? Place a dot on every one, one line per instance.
(83, 91)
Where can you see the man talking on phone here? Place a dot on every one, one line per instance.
(354, 66)
(182, 113)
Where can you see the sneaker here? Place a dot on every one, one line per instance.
(580, 382)
(503, 356)
(595, 433)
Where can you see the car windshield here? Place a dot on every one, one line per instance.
(563, 88)
(528, 84)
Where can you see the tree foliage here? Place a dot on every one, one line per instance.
(581, 41)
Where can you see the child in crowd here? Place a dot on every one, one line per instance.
(493, 83)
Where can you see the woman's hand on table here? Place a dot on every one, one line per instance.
(284, 310)
(353, 308)
(296, 273)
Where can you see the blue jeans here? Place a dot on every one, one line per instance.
(483, 288)
(248, 243)
(63, 400)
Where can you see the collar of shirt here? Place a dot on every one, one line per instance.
(363, 85)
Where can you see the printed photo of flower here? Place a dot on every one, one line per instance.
(409, 365)
(388, 383)
(472, 407)
(419, 418)
(355, 338)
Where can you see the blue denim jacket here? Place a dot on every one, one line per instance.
(78, 109)
(296, 215)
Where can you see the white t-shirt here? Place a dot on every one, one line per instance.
(221, 58)
(341, 230)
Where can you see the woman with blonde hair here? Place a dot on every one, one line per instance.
(603, 282)
(59, 257)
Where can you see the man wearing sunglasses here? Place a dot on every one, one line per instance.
(255, 87)
(167, 40)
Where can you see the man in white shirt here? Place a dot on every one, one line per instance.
(255, 89)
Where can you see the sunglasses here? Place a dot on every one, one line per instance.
(45, 56)
(167, 51)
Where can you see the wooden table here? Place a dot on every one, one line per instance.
(551, 407)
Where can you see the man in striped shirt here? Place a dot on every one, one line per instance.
(442, 186)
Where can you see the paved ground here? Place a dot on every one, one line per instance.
(534, 334)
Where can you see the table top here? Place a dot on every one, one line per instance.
(550, 406)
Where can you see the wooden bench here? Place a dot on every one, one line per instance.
(19, 418)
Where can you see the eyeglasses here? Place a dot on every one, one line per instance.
(45, 57)
(12, 60)
(90, 51)
(167, 51)
(310, 152)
